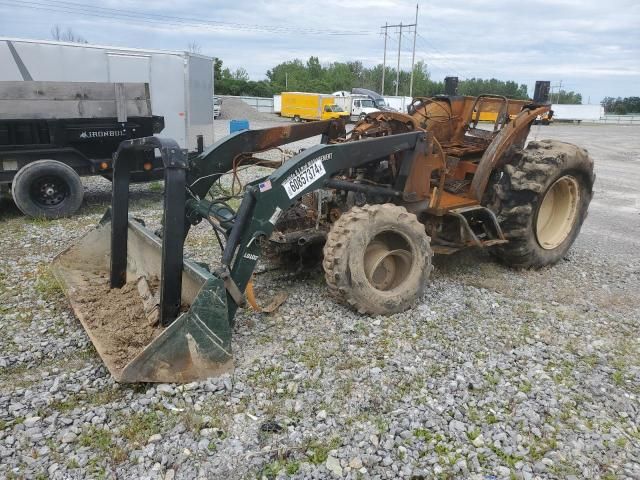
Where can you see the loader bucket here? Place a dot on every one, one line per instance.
(152, 315)
(195, 346)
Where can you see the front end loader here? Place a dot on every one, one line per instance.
(379, 201)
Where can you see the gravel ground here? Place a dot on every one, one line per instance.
(495, 374)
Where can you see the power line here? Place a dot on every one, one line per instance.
(386, 27)
(152, 18)
(444, 58)
(443, 62)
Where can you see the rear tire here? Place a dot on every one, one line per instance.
(47, 189)
(541, 198)
(377, 259)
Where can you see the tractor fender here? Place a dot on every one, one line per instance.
(514, 133)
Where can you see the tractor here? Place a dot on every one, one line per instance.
(378, 202)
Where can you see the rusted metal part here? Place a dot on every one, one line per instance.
(446, 201)
(465, 150)
(271, 307)
(206, 169)
(443, 249)
(384, 123)
(273, 137)
(301, 237)
(450, 118)
(251, 160)
(334, 214)
(437, 115)
(462, 169)
(479, 214)
(471, 226)
(501, 111)
(419, 180)
(299, 217)
(466, 234)
(516, 129)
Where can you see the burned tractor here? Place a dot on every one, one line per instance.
(465, 186)
(380, 201)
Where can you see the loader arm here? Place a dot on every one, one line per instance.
(310, 170)
(218, 159)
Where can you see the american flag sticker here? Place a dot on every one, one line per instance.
(264, 186)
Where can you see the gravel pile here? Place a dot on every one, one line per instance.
(234, 108)
(495, 374)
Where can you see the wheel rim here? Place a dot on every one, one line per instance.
(49, 192)
(387, 261)
(557, 213)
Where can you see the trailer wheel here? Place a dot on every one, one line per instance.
(48, 189)
(377, 259)
(296, 118)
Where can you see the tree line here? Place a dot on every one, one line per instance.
(312, 76)
(621, 106)
(566, 97)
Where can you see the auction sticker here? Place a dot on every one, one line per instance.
(276, 215)
(303, 177)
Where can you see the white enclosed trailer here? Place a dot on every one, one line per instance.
(577, 113)
(180, 83)
(398, 103)
(277, 104)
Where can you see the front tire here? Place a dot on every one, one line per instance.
(377, 259)
(541, 198)
(47, 189)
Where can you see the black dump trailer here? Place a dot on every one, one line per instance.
(52, 133)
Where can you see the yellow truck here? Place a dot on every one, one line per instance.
(301, 106)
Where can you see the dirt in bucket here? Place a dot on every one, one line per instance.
(116, 319)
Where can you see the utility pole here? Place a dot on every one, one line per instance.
(384, 61)
(398, 69)
(384, 57)
(559, 90)
(286, 81)
(413, 56)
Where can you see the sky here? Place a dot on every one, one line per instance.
(591, 46)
